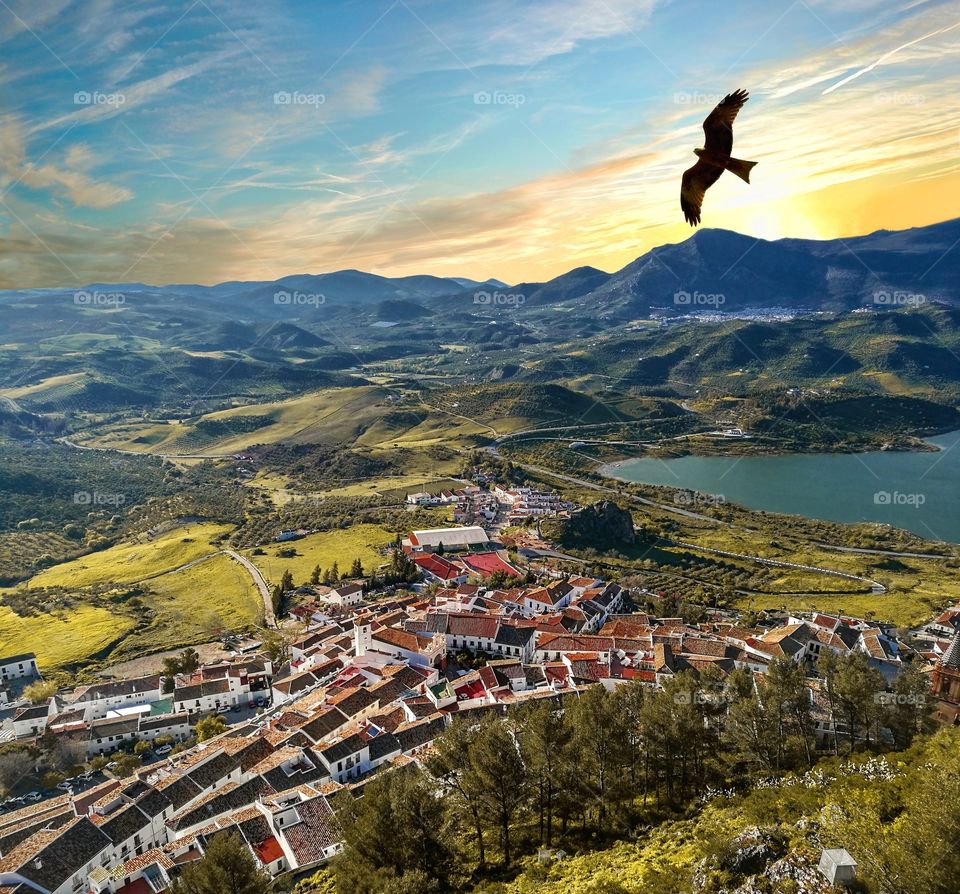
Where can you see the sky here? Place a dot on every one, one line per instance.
(204, 141)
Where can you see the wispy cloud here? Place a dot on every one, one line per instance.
(886, 57)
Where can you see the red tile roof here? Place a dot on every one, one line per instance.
(437, 566)
(269, 850)
(487, 563)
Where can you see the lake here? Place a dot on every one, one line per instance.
(916, 491)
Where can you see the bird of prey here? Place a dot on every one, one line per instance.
(715, 157)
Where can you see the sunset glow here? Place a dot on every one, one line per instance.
(203, 142)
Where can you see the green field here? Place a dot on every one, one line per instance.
(68, 637)
(330, 415)
(191, 594)
(194, 604)
(323, 549)
(130, 562)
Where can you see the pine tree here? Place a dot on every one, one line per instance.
(393, 836)
(315, 575)
(227, 867)
(500, 776)
(544, 739)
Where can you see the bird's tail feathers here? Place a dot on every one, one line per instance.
(740, 168)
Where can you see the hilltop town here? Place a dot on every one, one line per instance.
(144, 771)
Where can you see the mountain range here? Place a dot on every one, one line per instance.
(109, 347)
(909, 266)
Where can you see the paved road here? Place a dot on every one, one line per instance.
(269, 619)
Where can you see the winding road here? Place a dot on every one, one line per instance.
(269, 619)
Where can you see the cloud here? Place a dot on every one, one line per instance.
(70, 182)
(98, 103)
(887, 56)
(503, 32)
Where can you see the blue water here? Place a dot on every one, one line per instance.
(916, 491)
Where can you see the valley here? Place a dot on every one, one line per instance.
(159, 434)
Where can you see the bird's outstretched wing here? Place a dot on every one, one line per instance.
(696, 181)
(718, 125)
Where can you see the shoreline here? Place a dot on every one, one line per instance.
(604, 468)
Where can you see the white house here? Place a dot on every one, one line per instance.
(15, 666)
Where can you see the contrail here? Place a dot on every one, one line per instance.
(886, 56)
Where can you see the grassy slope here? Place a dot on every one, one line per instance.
(343, 546)
(65, 638)
(130, 562)
(187, 604)
(805, 813)
(193, 604)
(329, 415)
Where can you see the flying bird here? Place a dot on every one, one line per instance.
(715, 157)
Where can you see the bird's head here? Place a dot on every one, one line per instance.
(698, 152)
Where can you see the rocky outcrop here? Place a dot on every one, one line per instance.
(602, 526)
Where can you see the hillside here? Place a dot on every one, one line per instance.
(770, 838)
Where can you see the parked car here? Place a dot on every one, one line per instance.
(163, 749)
(223, 709)
(32, 796)
(11, 803)
(66, 785)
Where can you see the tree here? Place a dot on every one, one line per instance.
(227, 867)
(332, 574)
(771, 724)
(910, 705)
(600, 741)
(544, 739)
(275, 647)
(855, 693)
(449, 762)
(393, 836)
(500, 777)
(209, 727)
(15, 764)
(125, 765)
(189, 661)
(356, 569)
(286, 581)
(276, 600)
(315, 575)
(39, 692)
(51, 778)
